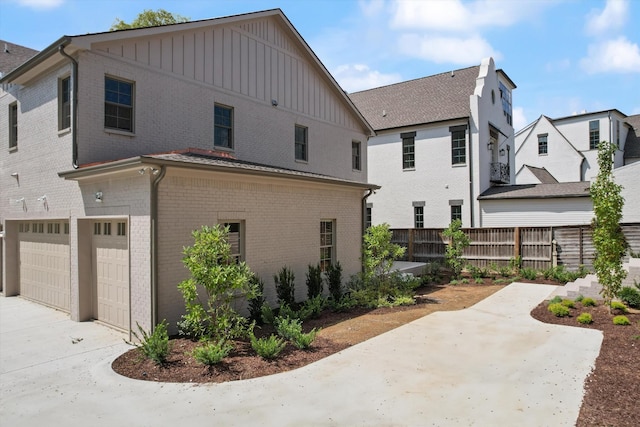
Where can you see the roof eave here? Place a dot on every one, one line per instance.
(38, 59)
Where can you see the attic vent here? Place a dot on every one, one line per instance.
(452, 73)
(384, 113)
(6, 48)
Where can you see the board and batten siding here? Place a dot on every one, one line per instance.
(536, 212)
(256, 59)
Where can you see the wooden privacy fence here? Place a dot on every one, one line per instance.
(538, 247)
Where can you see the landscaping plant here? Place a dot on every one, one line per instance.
(458, 241)
(333, 275)
(314, 281)
(617, 306)
(154, 345)
(630, 296)
(267, 348)
(585, 318)
(621, 320)
(558, 309)
(213, 352)
(608, 239)
(588, 302)
(258, 299)
(379, 253)
(291, 330)
(285, 286)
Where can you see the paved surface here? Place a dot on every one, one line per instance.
(488, 365)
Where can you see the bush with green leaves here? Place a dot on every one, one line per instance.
(515, 263)
(268, 348)
(579, 298)
(588, 302)
(585, 318)
(556, 299)
(314, 281)
(154, 345)
(431, 273)
(457, 242)
(621, 320)
(258, 299)
(333, 275)
(216, 273)
(212, 352)
(379, 252)
(618, 306)
(291, 330)
(529, 273)
(285, 282)
(312, 308)
(558, 309)
(568, 303)
(630, 296)
(266, 314)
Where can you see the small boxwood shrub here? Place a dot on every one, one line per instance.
(579, 298)
(617, 305)
(631, 296)
(568, 303)
(585, 318)
(621, 320)
(588, 302)
(555, 299)
(558, 309)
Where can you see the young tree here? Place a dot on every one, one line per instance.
(608, 239)
(379, 252)
(149, 18)
(458, 240)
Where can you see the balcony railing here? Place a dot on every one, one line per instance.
(500, 173)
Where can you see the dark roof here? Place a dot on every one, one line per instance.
(429, 99)
(13, 55)
(632, 144)
(543, 175)
(537, 191)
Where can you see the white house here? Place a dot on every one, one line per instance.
(567, 147)
(120, 144)
(440, 142)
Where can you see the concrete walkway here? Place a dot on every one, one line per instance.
(488, 365)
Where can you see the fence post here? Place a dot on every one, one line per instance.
(581, 247)
(516, 243)
(410, 245)
(554, 253)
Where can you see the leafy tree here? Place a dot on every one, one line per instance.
(608, 239)
(149, 18)
(214, 271)
(458, 241)
(379, 252)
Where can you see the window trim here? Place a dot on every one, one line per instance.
(458, 159)
(356, 156)
(324, 261)
(216, 125)
(131, 107)
(13, 126)
(546, 144)
(304, 144)
(238, 256)
(458, 215)
(408, 156)
(64, 118)
(418, 216)
(594, 134)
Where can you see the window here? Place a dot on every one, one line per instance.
(13, 125)
(64, 103)
(122, 229)
(50, 227)
(418, 216)
(542, 144)
(66, 228)
(107, 229)
(118, 104)
(301, 143)
(505, 97)
(97, 228)
(223, 127)
(594, 134)
(326, 244)
(368, 215)
(235, 240)
(408, 150)
(40, 227)
(56, 228)
(456, 212)
(355, 155)
(458, 146)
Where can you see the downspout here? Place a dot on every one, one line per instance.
(74, 110)
(471, 199)
(364, 225)
(154, 246)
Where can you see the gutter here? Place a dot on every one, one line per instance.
(471, 198)
(154, 246)
(370, 191)
(39, 58)
(74, 108)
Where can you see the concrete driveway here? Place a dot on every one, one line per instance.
(488, 365)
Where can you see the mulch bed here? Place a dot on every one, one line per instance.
(612, 390)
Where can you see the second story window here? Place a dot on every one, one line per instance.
(118, 104)
(13, 125)
(64, 103)
(542, 144)
(301, 133)
(223, 127)
(408, 150)
(594, 134)
(458, 146)
(355, 155)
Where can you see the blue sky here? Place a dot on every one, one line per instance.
(565, 56)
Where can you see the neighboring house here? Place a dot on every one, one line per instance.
(566, 148)
(13, 55)
(440, 142)
(628, 176)
(100, 188)
(632, 144)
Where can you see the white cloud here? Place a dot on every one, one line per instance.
(40, 4)
(456, 50)
(519, 119)
(612, 17)
(355, 77)
(371, 8)
(612, 56)
(559, 65)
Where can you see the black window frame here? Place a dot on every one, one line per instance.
(64, 103)
(543, 144)
(408, 150)
(301, 143)
(13, 126)
(356, 155)
(223, 126)
(119, 104)
(418, 217)
(594, 134)
(458, 145)
(456, 212)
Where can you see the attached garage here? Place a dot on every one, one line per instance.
(43, 250)
(110, 261)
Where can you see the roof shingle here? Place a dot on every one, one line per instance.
(537, 191)
(13, 55)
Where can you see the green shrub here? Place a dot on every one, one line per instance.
(431, 273)
(268, 348)
(266, 314)
(630, 296)
(286, 311)
(312, 308)
(588, 302)
(457, 242)
(568, 303)
(505, 271)
(285, 286)
(558, 309)
(515, 263)
(314, 281)
(291, 330)
(464, 281)
(454, 282)
(478, 281)
(478, 272)
(345, 303)
(155, 345)
(257, 300)
(617, 305)
(379, 252)
(529, 273)
(585, 318)
(212, 353)
(333, 275)
(621, 320)
(303, 341)
(579, 298)
(556, 299)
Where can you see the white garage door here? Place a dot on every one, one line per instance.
(44, 262)
(111, 273)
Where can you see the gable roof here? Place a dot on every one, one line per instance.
(632, 144)
(537, 191)
(529, 128)
(13, 55)
(429, 99)
(542, 174)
